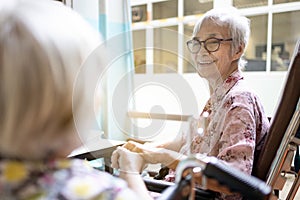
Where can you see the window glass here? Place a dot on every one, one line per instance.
(165, 9)
(139, 13)
(284, 1)
(166, 49)
(249, 3)
(187, 62)
(285, 33)
(257, 46)
(139, 44)
(193, 7)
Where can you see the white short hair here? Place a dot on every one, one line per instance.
(238, 26)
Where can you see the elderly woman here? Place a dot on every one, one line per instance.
(42, 46)
(237, 123)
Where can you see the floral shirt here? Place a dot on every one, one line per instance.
(236, 125)
(59, 180)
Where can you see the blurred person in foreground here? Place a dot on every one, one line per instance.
(236, 121)
(42, 46)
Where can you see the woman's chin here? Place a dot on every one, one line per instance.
(204, 74)
(206, 71)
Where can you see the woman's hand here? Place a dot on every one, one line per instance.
(155, 155)
(127, 161)
(130, 165)
(150, 153)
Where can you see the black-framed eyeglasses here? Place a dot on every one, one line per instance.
(210, 44)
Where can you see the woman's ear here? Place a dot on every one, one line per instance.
(239, 52)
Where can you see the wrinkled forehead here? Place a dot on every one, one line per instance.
(213, 28)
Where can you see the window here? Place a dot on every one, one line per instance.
(285, 33)
(284, 1)
(249, 3)
(256, 52)
(139, 13)
(165, 51)
(187, 63)
(139, 44)
(193, 7)
(274, 32)
(165, 9)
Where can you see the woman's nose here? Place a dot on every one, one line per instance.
(203, 50)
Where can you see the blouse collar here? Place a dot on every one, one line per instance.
(221, 90)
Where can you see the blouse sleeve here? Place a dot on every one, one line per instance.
(237, 141)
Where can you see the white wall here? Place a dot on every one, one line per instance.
(268, 86)
(90, 11)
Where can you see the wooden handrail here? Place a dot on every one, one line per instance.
(174, 117)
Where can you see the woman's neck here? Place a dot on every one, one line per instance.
(217, 81)
(214, 83)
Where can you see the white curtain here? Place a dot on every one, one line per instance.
(112, 18)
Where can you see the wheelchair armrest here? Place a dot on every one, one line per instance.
(156, 185)
(160, 186)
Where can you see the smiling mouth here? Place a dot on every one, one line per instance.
(205, 62)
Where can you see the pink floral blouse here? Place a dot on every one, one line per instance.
(235, 129)
(236, 124)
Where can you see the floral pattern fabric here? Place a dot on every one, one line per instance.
(237, 124)
(59, 180)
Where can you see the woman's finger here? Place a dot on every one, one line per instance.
(115, 159)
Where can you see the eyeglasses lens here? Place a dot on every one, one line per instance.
(210, 45)
(194, 46)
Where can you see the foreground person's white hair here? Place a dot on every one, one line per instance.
(42, 46)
